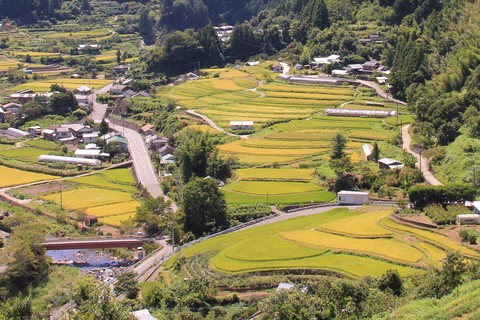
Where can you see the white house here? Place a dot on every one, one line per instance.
(241, 125)
(90, 137)
(352, 197)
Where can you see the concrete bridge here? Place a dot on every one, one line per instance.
(94, 243)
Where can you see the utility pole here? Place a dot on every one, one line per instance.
(397, 111)
(173, 232)
(474, 169)
(420, 158)
(61, 196)
(267, 196)
(401, 132)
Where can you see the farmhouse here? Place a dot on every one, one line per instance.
(120, 140)
(352, 197)
(468, 218)
(48, 134)
(35, 131)
(155, 143)
(147, 129)
(63, 135)
(13, 107)
(163, 151)
(90, 137)
(77, 129)
(387, 163)
(241, 125)
(252, 63)
(121, 68)
(23, 96)
(371, 65)
(118, 89)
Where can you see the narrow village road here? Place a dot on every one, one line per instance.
(212, 124)
(99, 109)
(375, 86)
(427, 174)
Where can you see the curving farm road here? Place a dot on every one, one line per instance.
(427, 174)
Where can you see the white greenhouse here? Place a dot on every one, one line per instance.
(71, 160)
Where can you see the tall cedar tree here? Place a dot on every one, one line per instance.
(339, 142)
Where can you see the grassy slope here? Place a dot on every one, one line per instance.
(465, 305)
(459, 159)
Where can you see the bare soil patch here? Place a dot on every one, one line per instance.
(46, 188)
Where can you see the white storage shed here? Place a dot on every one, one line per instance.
(352, 197)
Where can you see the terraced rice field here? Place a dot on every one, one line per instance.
(78, 35)
(6, 63)
(108, 194)
(353, 243)
(225, 98)
(275, 174)
(13, 177)
(301, 132)
(275, 186)
(298, 140)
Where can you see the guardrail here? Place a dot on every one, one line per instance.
(157, 262)
(313, 206)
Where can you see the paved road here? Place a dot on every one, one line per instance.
(142, 163)
(148, 266)
(380, 92)
(427, 174)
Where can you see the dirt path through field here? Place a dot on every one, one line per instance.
(422, 162)
(212, 124)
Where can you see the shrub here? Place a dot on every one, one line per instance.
(468, 235)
